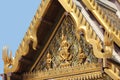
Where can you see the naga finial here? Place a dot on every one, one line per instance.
(7, 58)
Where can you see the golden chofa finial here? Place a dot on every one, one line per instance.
(5, 56)
(8, 59)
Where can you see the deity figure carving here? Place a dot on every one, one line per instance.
(81, 56)
(49, 61)
(64, 54)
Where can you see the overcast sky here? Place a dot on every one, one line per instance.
(15, 18)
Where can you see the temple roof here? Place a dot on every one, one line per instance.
(38, 32)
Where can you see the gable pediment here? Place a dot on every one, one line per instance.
(61, 44)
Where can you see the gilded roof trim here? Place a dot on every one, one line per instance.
(83, 71)
(104, 21)
(109, 5)
(29, 36)
(78, 18)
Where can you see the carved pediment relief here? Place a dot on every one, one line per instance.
(65, 49)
